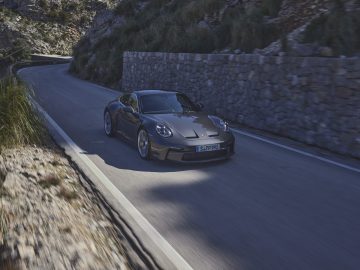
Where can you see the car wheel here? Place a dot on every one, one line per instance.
(143, 144)
(108, 124)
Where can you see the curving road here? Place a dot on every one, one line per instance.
(266, 208)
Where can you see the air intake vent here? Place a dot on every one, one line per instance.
(193, 136)
(212, 133)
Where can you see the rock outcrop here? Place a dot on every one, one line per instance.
(46, 26)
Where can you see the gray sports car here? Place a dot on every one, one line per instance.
(168, 126)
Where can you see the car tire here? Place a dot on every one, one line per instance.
(108, 124)
(143, 144)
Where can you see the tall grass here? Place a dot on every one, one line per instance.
(19, 123)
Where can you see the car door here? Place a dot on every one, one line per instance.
(131, 121)
(120, 124)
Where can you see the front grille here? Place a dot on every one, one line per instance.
(204, 155)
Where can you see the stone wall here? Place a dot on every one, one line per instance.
(312, 100)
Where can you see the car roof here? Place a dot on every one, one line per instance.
(152, 92)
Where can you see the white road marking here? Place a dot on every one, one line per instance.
(178, 261)
(296, 150)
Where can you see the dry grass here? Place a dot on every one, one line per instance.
(56, 163)
(9, 265)
(49, 181)
(66, 229)
(67, 194)
(2, 176)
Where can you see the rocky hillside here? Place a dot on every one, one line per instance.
(45, 26)
(214, 26)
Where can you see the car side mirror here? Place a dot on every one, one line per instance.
(200, 106)
(129, 109)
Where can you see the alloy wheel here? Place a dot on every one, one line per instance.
(107, 124)
(143, 144)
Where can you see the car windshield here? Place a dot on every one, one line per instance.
(166, 103)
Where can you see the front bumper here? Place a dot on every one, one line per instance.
(186, 153)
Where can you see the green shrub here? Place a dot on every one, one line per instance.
(64, 16)
(212, 6)
(69, 7)
(199, 40)
(271, 7)
(195, 11)
(250, 32)
(44, 4)
(157, 4)
(20, 51)
(59, 15)
(174, 39)
(126, 8)
(19, 123)
(191, 13)
(339, 30)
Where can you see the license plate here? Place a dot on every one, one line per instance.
(208, 148)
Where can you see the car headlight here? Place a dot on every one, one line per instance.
(163, 130)
(218, 122)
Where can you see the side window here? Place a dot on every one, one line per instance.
(133, 102)
(124, 99)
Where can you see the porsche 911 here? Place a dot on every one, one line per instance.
(168, 126)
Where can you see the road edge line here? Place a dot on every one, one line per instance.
(157, 239)
(344, 166)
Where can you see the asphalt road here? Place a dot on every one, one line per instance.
(266, 208)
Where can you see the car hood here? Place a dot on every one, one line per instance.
(189, 125)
